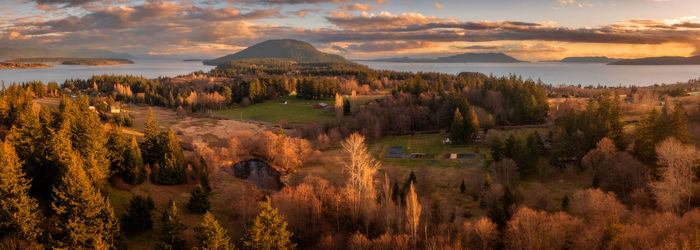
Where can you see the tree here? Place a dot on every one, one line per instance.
(362, 168)
(199, 200)
(268, 230)
(457, 131)
(497, 149)
(85, 218)
(172, 163)
(151, 144)
(135, 169)
(338, 107)
(19, 215)
(137, 218)
(505, 171)
(413, 209)
(679, 162)
(171, 232)
(211, 236)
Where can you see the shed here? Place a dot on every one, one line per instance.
(321, 105)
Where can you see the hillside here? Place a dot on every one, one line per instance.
(295, 50)
(664, 60)
(460, 58)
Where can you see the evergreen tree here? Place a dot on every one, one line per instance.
(565, 203)
(457, 131)
(211, 236)
(172, 165)
(204, 175)
(268, 230)
(19, 215)
(199, 200)
(116, 148)
(462, 187)
(497, 149)
(151, 144)
(171, 233)
(471, 124)
(30, 136)
(135, 170)
(678, 124)
(88, 139)
(85, 218)
(137, 218)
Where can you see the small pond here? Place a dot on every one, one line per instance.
(258, 172)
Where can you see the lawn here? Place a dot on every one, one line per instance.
(297, 110)
(430, 144)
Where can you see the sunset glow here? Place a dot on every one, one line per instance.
(536, 30)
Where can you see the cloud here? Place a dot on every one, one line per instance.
(388, 46)
(439, 6)
(66, 3)
(382, 20)
(358, 7)
(304, 12)
(298, 1)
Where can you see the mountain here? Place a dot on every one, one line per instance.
(461, 58)
(295, 50)
(664, 60)
(11, 53)
(589, 59)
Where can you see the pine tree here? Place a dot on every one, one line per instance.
(171, 233)
(136, 171)
(137, 218)
(88, 139)
(211, 235)
(497, 149)
(172, 165)
(457, 128)
(199, 200)
(116, 148)
(678, 124)
(85, 218)
(204, 175)
(268, 230)
(471, 124)
(151, 144)
(19, 215)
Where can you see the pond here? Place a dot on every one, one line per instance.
(258, 172)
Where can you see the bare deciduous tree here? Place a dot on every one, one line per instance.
(504, 171)
(679, 162)
(413, 209)
(361, 168)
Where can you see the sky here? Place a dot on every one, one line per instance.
(525, 29)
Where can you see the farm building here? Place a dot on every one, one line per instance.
(321, 105)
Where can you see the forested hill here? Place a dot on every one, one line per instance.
(459, 58)
(664, 60)
(295, 50)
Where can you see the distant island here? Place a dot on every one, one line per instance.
(13, 65)
(460, 58)
(589, 59)
(73, 61)
(193, 60)
(295, 50)
(664, 60)
(45, 52)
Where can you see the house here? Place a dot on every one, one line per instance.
(321, 106)
(114, 109)
(446, 140)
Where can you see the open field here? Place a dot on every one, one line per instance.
(296, 110)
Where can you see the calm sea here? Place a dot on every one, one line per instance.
(561, 73)
(149, 68)
(551, 73)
